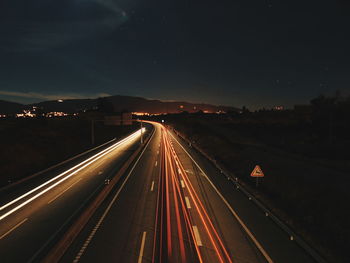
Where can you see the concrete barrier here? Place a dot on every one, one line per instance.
(53, 167)
(56, 253)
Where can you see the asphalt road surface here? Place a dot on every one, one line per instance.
(34, 215)
(174, 206)
(171, 205)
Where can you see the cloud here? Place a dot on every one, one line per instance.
(60, 23)
(43, 96)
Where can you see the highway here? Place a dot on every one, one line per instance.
(168, 209)
(171, 205)
(34, 215)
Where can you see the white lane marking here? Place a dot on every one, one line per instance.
(13, 228)
(91, 159)
(156, 163)
(93, 232)
(53, 185)
(142, 247)
(182, 184)
(252, 237)
(197, 236)
(60, 175)
(152, 186)
(53, 199)
(188, 204)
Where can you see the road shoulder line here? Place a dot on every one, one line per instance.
(13, 228)
(252, 237)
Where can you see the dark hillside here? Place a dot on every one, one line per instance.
(7, 107)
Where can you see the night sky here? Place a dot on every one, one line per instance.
(256, 53)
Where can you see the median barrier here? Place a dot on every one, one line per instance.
(56, 253)
(25, 179)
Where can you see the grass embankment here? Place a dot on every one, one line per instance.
(306, 178)
(31, 145)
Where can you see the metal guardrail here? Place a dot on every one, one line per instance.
(53, 166)
(57, 250)
(233, 179)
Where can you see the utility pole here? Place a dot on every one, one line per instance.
(141, 133)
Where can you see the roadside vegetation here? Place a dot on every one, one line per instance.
(31, 145)
(304, 154)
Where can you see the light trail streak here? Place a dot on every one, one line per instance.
(65, 190)
(159, 219)
(188, 222)
(172, 201)
(233, 212)
(109, 207)
(13, 228)
(189, 227)
(177, 212)
(209, 227)
(168, 215)
(81, 167)
(205, 217)
(206, 226)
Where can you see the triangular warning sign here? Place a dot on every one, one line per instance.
(257, 172)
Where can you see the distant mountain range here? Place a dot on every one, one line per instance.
(115, 104)
(7, 107)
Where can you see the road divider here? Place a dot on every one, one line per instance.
(62, 177)
(54, 166)
(67, 239)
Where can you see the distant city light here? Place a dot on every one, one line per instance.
(26, 114)
(55, 114)
(34, 113)
(141, 113)
(278, 108)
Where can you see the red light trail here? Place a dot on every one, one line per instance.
(179, 230)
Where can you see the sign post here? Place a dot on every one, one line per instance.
(141, 133)
(257, 172)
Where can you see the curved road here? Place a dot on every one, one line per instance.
(171, 205)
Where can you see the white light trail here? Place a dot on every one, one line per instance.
(88, 161)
